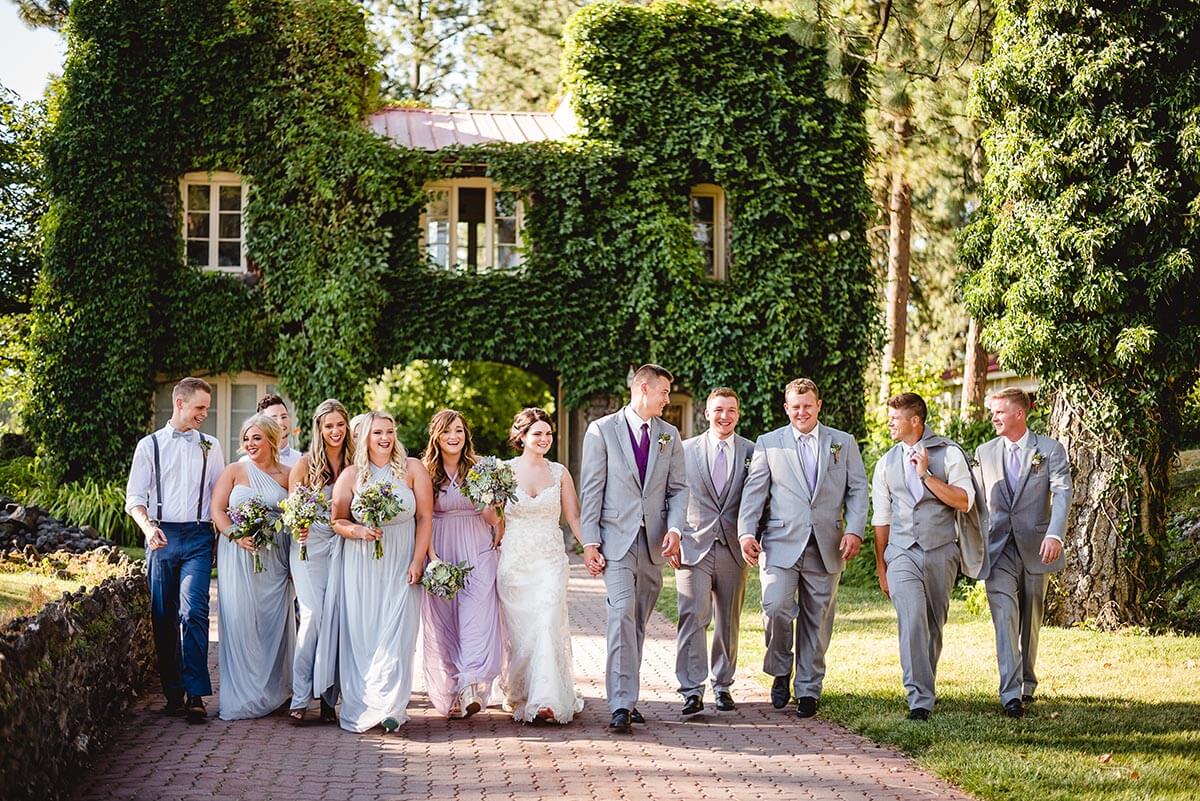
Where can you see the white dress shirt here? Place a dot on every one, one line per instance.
(714, 442)
(181, 460)
(635, 423)
(958, 474)
(814, 437)
(288, 456)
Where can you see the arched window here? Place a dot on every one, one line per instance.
(473, 224)
(213, 233)
(710, 228)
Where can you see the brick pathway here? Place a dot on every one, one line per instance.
(755, 752)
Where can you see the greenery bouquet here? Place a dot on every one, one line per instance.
(376, 505)
(253, 520)
(303, 507)
(445, 579)
(490, 482)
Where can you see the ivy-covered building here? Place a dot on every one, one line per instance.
(229, 201)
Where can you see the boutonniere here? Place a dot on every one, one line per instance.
(972, 462)
(663, 441)
(748, 460)
(835, 450)
(1036, 461)
(205, 445)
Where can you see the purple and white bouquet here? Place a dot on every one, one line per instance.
(490, 482)
(445, 579)
(253, 520)
(376, 505)
(301, 509)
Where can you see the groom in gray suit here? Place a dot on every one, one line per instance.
(711, 582)
(1027, 483)
(810, 480)
(633, 506)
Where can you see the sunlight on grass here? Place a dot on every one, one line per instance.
(1117, 715)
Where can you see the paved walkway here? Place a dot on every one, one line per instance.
(755, 752)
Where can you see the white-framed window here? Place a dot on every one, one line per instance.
(213, 224)
(710, 229)
(470, 223)
(234, 398)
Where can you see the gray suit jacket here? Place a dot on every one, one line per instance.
(614, 504)
(1039, 506)
(710, 516)
(776, 483)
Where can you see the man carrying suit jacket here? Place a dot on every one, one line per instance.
(633, 507)
(711, 581)
(810, 480)
(1027, 483)
(919, 488)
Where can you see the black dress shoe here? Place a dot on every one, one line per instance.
(918, 714)
(806, 707)
(1014, 708)
(636, 717)
(620, 722)
(174, 707)
(1026, 699)
(781, 691)
(693, 704)
(725, 701)
(196, 713)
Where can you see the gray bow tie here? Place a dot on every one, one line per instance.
(190, 436)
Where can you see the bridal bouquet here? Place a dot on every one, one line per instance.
(301, 509)
(445, 579)
(490, 482)
(376, 505)
(252, 520)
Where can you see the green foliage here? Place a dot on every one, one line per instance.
(99, 504)
(670, 96)
(488, 394)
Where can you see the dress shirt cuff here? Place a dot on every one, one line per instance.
(591, 545)
(881, 520)
(676, 532)
(747, 537)
(1050, 536)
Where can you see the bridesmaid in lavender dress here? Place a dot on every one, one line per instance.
(463, 646)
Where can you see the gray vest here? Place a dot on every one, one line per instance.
(929, 522)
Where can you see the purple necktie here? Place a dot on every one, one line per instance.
(720, 468)
(641, 450)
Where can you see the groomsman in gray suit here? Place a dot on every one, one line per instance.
(711, 582)
(1027, 483)
(919, 487)
(810, 480)
(633, 506)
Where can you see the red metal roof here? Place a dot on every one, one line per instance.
(434, 129)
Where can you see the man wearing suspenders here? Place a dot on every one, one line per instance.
(170, 485)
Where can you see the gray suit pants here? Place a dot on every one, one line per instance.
(798, 604)
(713, 587)
(920, 582)
(633, 584)
(1017, 599)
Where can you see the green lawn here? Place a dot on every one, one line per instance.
(1118, 715)
(25, 593)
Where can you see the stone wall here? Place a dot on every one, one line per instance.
(24, 527)
(67, 677)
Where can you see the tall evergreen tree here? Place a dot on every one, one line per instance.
(421, 46)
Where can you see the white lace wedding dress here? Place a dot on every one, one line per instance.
(532, 582)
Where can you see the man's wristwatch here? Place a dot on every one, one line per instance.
(927, 474)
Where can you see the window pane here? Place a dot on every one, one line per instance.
(470, 243)
(231, 198)
(702, 208)
(197, 253)
(438, 207)
(230, 226)
(506, 231)
(229, 254)
(702, 233)
(508, 257)
(506, 204)
(242, 400)
(437, 232)
(197, 197)
(710, 267)
(472, 204)
(210, 423)
(439, 255)
(162, 405)
(197, 225)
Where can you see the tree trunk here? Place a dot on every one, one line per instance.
(899, 250)
(974, 375)
(1114, 554)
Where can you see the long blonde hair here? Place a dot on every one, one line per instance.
(272, 433)
(362, 452)
(432, 458)
(320, 471)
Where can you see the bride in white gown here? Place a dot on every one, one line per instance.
(538, 679)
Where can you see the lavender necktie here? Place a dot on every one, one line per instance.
(720, 468)
(915, 487)
(1012, 466)
(807, 460)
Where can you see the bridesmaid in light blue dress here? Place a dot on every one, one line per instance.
(256, 621)
(381, 598)
(318, 578)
